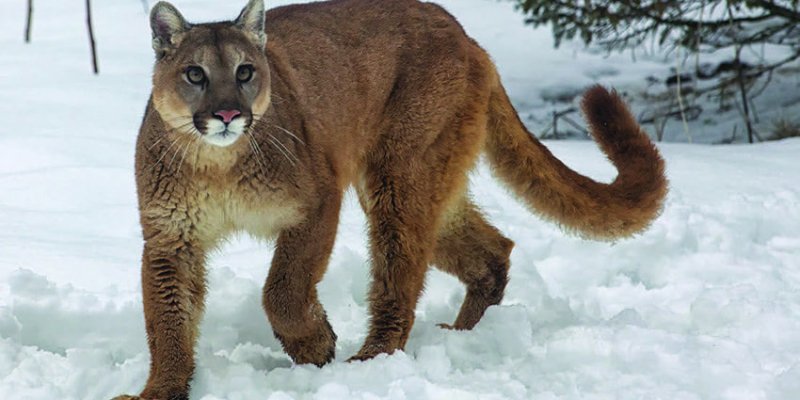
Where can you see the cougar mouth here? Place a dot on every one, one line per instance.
(223, 134)
(222, 139)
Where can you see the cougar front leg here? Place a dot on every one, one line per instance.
(402, 222)
(290, 293)
(173, 285)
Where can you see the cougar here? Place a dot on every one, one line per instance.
(260, 124)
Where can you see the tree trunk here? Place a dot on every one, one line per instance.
(743, 92)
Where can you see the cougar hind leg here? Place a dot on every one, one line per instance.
(474, 251)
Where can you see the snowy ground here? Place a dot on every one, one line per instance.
(705, 305)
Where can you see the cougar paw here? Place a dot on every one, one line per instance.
(454, 327)
(363, 356)
(370, 351)
(318, 348)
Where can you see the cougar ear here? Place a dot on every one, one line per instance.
(251, 20)
(166, 22)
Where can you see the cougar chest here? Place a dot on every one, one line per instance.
(233, 207)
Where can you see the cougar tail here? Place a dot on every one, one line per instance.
(603, 211)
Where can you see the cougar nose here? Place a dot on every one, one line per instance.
(227, 115)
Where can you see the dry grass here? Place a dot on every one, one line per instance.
(783, 129)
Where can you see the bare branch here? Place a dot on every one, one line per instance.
(91, 36)
(28, 22)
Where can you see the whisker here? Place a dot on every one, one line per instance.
(183, 156)
(254, 148)
(180, 127)
(196, 156)
(164, 154)
(179, 118)
(260, 151)
(156, 143)
(276, 96)
(274, 144)
(255, 119)
(189, 124)
(177, 150)
(252, 139)
(288, 150)
(289, 133)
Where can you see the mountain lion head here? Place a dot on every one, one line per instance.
(210, 80)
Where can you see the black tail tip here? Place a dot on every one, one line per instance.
(597, 98)
(603, 107)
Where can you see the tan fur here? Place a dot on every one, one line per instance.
(389, 96)
(595, 210)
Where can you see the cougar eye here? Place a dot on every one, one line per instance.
(244, 73)
(195, 75)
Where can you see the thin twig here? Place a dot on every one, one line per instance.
(29, 22)
(680, 97)
(91, 36)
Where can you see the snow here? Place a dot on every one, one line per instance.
(704, 305)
